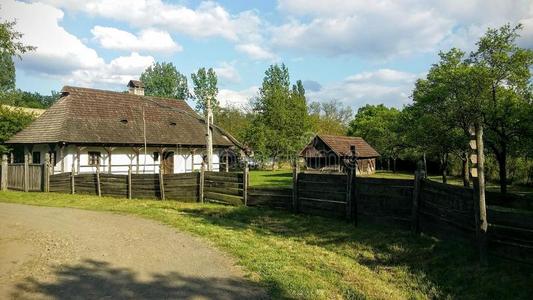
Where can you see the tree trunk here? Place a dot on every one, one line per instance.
(444, 168)
(425, 165)
(466, 175)
(388, 164)
(394, 165)
(502, 164)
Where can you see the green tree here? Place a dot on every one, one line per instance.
(280, 127)
(235, 121)
(379, 126)
(330, 117)
(11, 122)
(508, 107)
(205, 87)
(10, 46)
(164, 80)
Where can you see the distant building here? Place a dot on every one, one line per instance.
(327, 153)
(87, 128)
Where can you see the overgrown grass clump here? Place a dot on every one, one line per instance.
(297, 256)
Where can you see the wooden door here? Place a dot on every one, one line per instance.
(167, 163)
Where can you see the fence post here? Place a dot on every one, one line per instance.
(202, 182)
(161, 184)
(4, 174)
(478, 176)
(129, 182)
(349, 182)
(72, 178)
(420, 174)
(245, 183)
(46, 173)
(295, 200)
(26, 172)
(98, 187)
(353, 197)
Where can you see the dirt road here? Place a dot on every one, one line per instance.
(66, 253)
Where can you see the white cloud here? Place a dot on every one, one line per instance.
(391, 87)
(255, 52)
(239, 99)
(147, 40)
(58, 52)
(114, 74)
(227, 72)
(61, 55)
(387, 28)
(209, 19)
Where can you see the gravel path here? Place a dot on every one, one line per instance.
(51, 253)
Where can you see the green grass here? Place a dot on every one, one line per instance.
(277, 178)
(297, 256)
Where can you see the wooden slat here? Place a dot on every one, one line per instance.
(223, 198)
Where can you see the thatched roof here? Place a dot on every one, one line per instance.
(91, 116)
(341, 145)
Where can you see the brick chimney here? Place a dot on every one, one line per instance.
(136, 87)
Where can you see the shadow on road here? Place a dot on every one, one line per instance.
(97, 280)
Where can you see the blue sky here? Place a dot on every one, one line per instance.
(357, 52)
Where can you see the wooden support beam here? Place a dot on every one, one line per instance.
(161, 184)
(98, 186)
(202, 182)
(417, 189)
(193, 152)
(46, 173)
(72, 177)
(129, 182)
(4, 174)
(109, 151)
(137, 151)
(246, 177)
(26, 174)
(295, 200)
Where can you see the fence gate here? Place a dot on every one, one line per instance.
(224, 187)
(323, 194)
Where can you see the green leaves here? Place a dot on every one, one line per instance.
(164, 80)
(11, 122)
(205, 87)
(10, 46)
(281, 124)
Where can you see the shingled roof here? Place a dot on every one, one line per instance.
(91, 116)
(341, 145)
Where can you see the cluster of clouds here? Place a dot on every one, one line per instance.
(374, 30)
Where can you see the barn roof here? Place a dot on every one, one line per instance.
(341, 145)
(91, 116)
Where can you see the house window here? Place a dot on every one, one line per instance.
(156, 156)
(94, 158)
(36, 157)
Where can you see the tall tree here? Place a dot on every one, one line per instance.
(280, 127)
(508, 105)
(164, 80)
(10, 46)
(205, 87)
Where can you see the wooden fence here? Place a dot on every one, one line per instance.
(225, 187)
(322, 194)
(280, 198)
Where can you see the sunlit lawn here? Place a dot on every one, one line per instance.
(305, 257)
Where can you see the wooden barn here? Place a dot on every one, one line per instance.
(327, 152)
(88, 128)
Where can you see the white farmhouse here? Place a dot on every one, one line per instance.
(115, 131)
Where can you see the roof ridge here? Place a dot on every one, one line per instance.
(66, 87)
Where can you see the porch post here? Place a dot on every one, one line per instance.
(26, 170)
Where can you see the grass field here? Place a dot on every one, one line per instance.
(296, 256)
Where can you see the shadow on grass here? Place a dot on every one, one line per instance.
(93, 279)
(447, 268)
